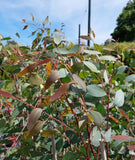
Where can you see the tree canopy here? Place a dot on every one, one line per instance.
(125, 29)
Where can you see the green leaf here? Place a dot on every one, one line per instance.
(77, 66)
(17, 34)
(57, 38)
(107, 58)
(130, 78)
(95, 136)
(84, 74)
(108, 135)
(69, 156)
(121, 70)
(97, 117)
(91, 52)
(119, 98)
(2, 125)
(91, 66)
(105, 73)
(95, 91)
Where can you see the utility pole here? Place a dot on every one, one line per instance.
(89, 19)
(79, 32)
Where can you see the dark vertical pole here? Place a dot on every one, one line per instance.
(89, 18)
(79, 32)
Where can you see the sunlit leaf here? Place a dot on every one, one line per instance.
(90, 118)
(119, 98)
(35, 79)
(121, 69)
(95, 91)
(83, 122)
(97, 117)
(57, 38)
(105, 74)
(79, 81)
(95, 137)
(91, 52)
(47, 133)
(114, 119)
(45, 102)
(32, 16)
(66, 111)
(51, 79)
(85, 37)
(93, 34)
(91, 66)
(107, 58)
(108, 135)
(33, 117)
(130, 78)
(48, 68)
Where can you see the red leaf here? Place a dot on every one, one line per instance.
(6, 94)
(59, 92)
(121, 137)
(25, 27)
(55, 65)
(24, 20)
(131, 147)
(123, 113)
(44, 61)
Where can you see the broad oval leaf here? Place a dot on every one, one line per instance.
(57, 38)
(95, 91)
(33, 117)
(51, 79)
(107, 58)
(79, 81)
(97, 117)
(77, 66)
(59, 92)
(91, 66)
(95, 137)
(119, 98)
(35, 79)
(121, 69)
(91, 52)
(130, 78)
(47, 133)
(108, 135)
(105, 73)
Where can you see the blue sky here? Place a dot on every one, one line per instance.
(70, 12)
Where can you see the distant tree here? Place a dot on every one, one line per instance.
(125, 30)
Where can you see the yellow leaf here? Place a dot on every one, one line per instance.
(48, 68)
(71, 45)
(93, 34)
(35, 79)
(45, 102)
(9, 104)
(47, 133)
(89, 117)
(66, 111)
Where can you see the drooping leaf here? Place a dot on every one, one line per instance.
(66, 111)
(91, 66)
(57, 38)
(97, 117)
(79, 81)
(119, 98)
(34, 130)
(32, 16)
(33, 117)
(123, 113)
(47, 133)
(51, 79)
(17, 34)
(59, 92)
(107, 58)
(105, 73)
(95, 91)
(28, 69)
(48, 68)
(114, 119)
(121, 137)
(95, 137)
(130, 78)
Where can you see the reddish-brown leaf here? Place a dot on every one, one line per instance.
(24, 20)
(28, 69)
(121, 137)
(59, 92)
(131, 147)
(44, 61)
(123, 113)
(6, 94)
(25, 27)
(32, 16)
(55, 65)
(9, 104)
(116, 120)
